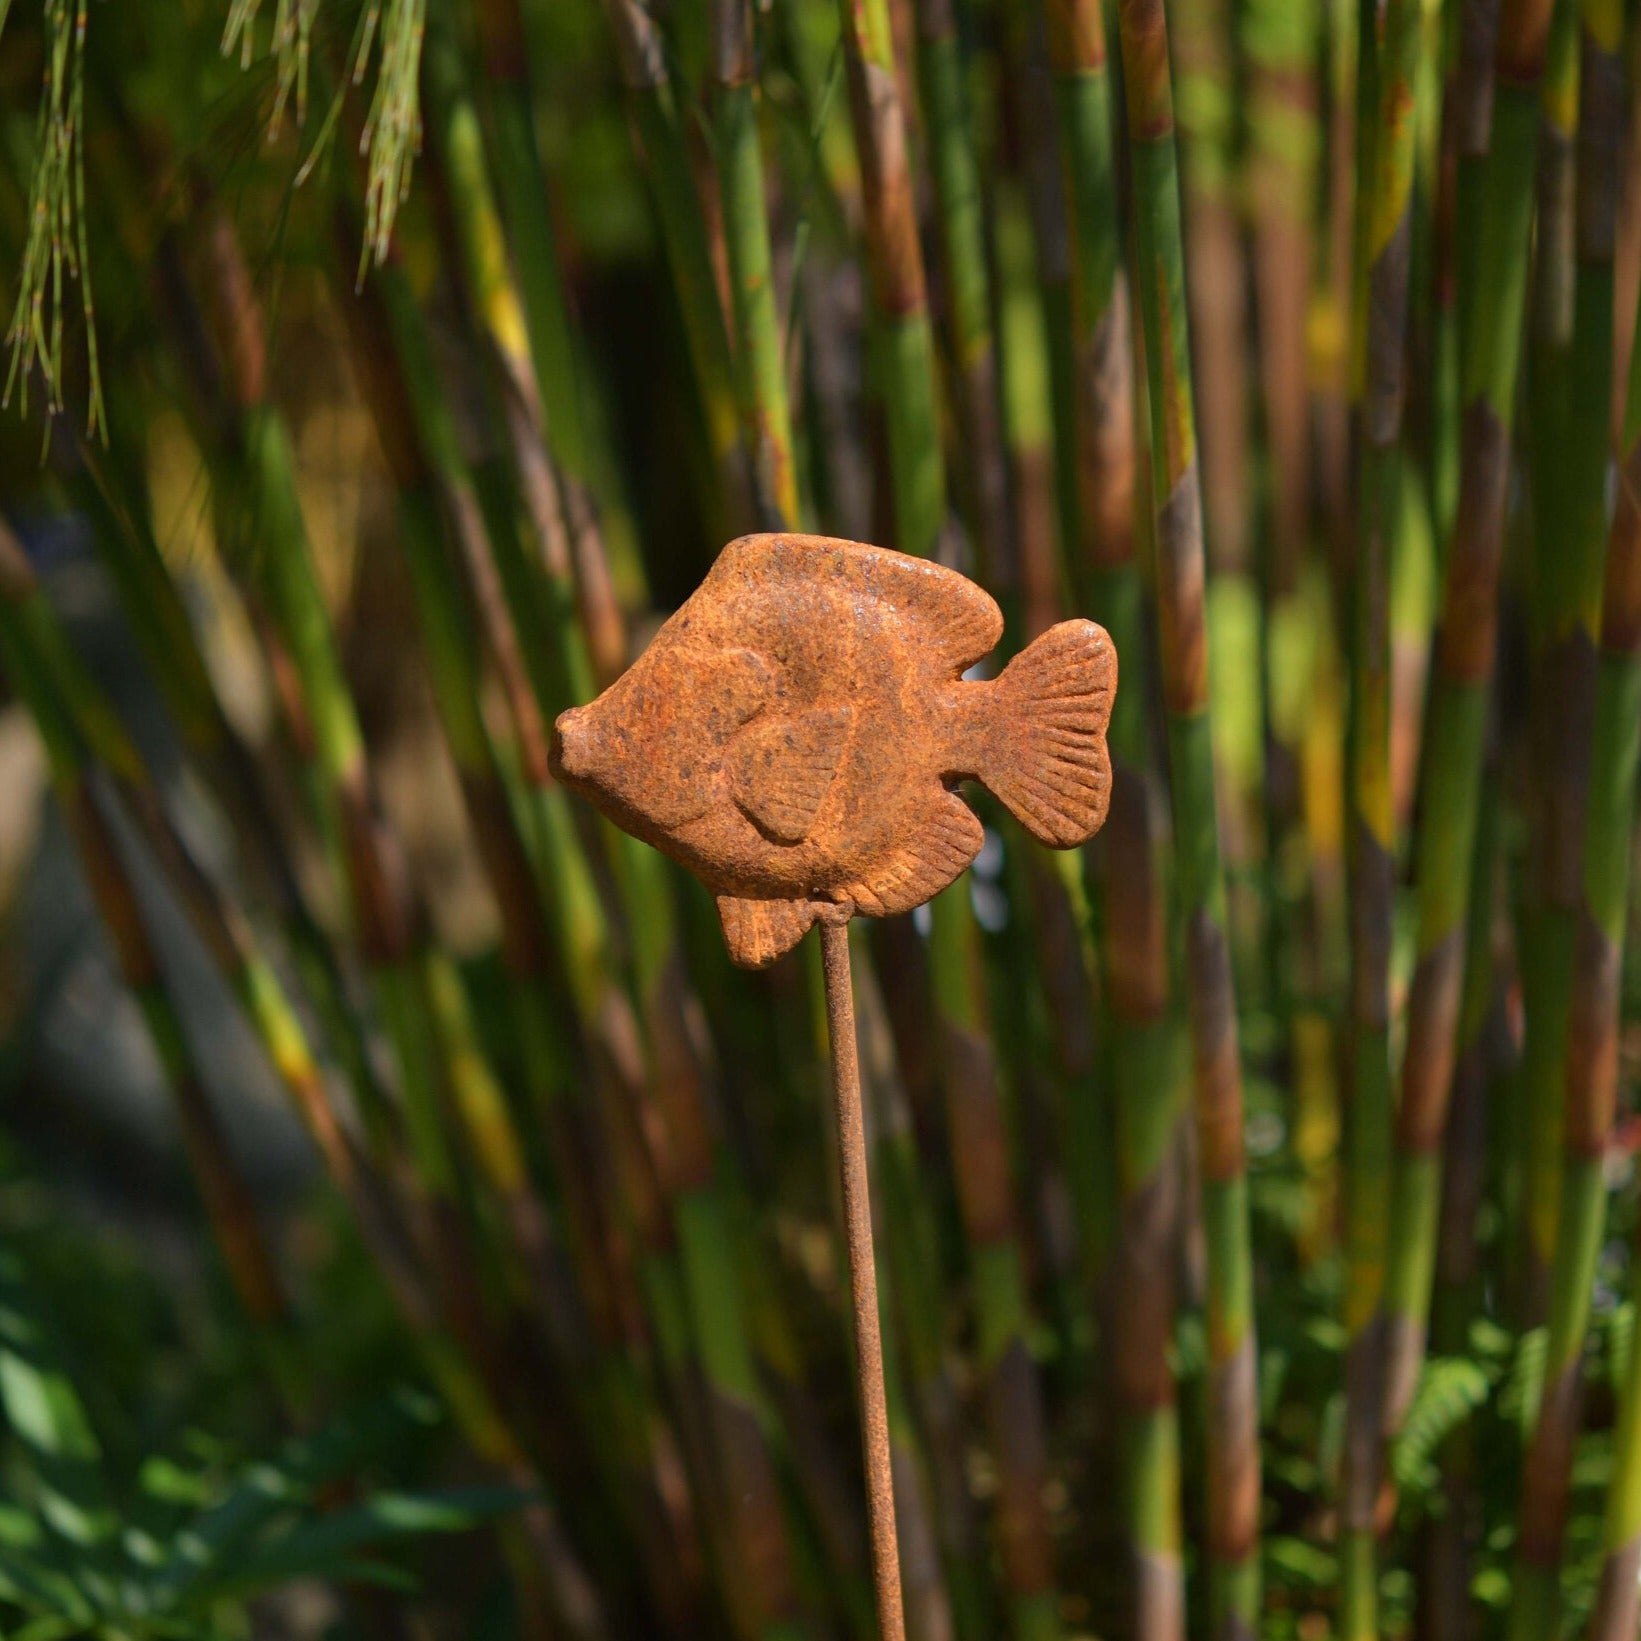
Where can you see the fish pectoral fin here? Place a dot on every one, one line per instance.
(744, 680)
(783, 765)
(759, 931)
(941, 838)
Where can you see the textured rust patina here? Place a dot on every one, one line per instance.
(795, 733)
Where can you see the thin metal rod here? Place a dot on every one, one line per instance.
(857, 1222)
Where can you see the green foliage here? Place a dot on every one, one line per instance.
(178, 1548)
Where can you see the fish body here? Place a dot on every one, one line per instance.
(795, 732)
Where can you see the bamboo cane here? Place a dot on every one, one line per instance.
(961, 220)
(530, 623)
(895, 262)
(1046, 180)
(642, 55)
(1463, 664)
(1445, 1568)
(1587, 1093)
(1127, 875)
(1283, 149)
(1209, 145)
(230, 1207)
(1387, 195)
(766, 419)
(1103, 431)
(979, 1145)
(1567, 472)
(1592, 1040)
(1233, 1436)
(521, 186)
(377, 1214)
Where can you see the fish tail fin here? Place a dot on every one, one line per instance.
(1044, 753)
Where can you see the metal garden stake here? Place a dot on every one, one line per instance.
(794, 735)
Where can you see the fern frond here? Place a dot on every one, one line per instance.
(1450, 1389)
(1519, 1399)
(1620, 1343)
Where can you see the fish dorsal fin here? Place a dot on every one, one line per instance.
(958, 623)
(759, 931)
(783, 764)
(941, 839)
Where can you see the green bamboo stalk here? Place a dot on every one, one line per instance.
(949, 127)
(254, 451)
(1144, 1049)
(1386, 192)
(1463, 665)
(521, 187)
(902, 343)
(496, 303)
(1284, 143)
(229, 1205)
(1149, 1068)
(153, 604)
(1446, 1570)
(1103, 432)
(1587, 1090)
(1341, 29)
(1064, 1122)
(1473, 58)
(522, 193)
(1046, 183)
(642, 55)
(377, 1214)
(1627, 260)
(766, 418)
(1210, 143)
(1279, 40)
(531, 625)
(1568, 472)
(227, 937)
(548, 1051)
(980, 1152)
(265, 540)
(561, 878)
(1592, 1040)
(1233, 1436)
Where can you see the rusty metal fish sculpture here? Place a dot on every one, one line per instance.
(795, 732)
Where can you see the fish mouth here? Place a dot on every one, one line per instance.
(568, 754)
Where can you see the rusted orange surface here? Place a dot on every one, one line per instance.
(795, 733)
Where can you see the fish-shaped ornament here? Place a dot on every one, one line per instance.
(794, 735)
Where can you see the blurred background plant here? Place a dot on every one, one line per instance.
(410, 1224)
